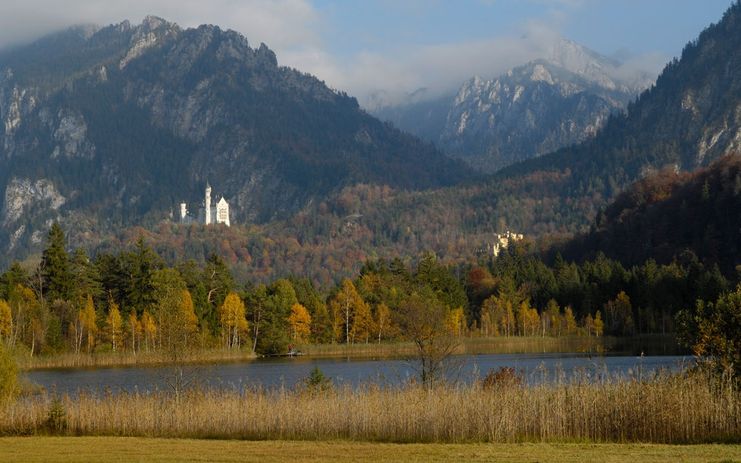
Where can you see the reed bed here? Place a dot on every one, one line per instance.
(474, 345)
(116, 359)
(688, 408)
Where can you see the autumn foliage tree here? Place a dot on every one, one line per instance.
(300, 322)
(86, 326)
(6, 322)
(114, 326)
(345, 305)
(424, 320)
(713, 331)
(233, 321)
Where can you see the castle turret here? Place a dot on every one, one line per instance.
(207, 205)
(183, 211)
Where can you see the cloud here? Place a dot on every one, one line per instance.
(387, 78)
(295, 29)
(280, 23)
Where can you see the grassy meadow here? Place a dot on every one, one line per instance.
(103, 449)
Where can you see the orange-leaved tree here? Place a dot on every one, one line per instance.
(300, 322)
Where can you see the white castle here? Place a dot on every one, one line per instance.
(501, 242)
(209, 213)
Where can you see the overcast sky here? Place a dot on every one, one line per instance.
(398, 46)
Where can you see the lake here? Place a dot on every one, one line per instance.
(271, 373)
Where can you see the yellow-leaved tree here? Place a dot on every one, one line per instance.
(88, 324)
(456, 322)
(232, 315)
(383, 320)
(363, 325)
(344, 306)
(114, 325)
(149, 328)
(300, 322)
(6, 322)
(569, 321)
(599, 324)
(188, 315)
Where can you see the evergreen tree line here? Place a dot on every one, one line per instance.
(131, 301)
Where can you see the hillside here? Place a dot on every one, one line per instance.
(111, 127)
(667, 213)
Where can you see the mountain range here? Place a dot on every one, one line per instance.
(533, 109)
(132, 119)
(114, 126)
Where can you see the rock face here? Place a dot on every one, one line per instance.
(531, 110)
(124, 122)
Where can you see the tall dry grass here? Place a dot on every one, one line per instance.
(127, 358)
(667, 409)
(488, 345)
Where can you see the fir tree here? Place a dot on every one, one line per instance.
(56, 275)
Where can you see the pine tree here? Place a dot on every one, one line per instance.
(85, 276)
(275, 330)
(139, 267)
(57, 277)
(15, 275)
(218, 283)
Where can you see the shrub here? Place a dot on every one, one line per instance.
(317, 381)
(502, 377)
(56, 419)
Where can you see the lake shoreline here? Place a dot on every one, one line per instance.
(650, 344)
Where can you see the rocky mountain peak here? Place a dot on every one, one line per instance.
(151, 23)
(534, 108)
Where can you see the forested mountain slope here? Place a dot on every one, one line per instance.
(668, 213)
(113, 127)
(689, 118)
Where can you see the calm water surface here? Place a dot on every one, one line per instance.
(269, 373)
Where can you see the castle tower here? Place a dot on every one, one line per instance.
(207, 205)
(222, 212)
(183, 212)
